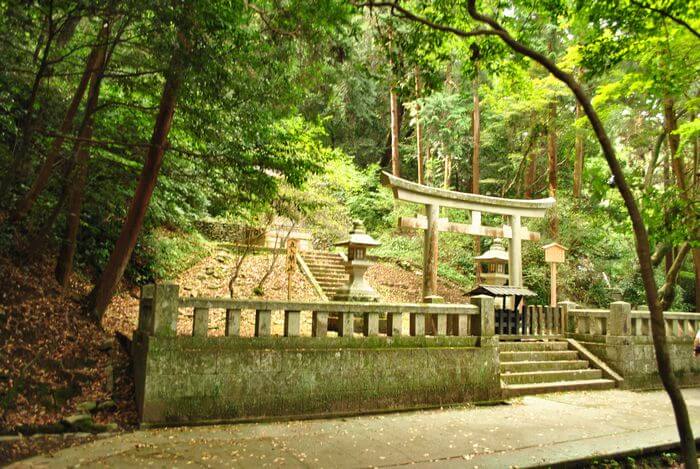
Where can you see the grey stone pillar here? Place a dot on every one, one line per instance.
(370, 325)
(484, 324)
(394, 324)
(166, 301)
(515, 269)
(620, 319)
(319, 324)
(292, 323)
(233, 322)
(346, 325)
(263, 322)
(200, 322)
(145, 323)
(417, 324)
(430, 255)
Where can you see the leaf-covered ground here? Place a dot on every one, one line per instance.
(53, 358)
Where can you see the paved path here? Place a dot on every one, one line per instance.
(529, 431)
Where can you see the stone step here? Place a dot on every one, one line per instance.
(514, 390)
(324, 258)
(328, 270)
(538, 356)
(532, 346)
(549, 365)
(331, 282)
(330, 275)
(532, 377)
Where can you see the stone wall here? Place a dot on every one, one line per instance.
(621, 338)
(635, 360)
(198, 379)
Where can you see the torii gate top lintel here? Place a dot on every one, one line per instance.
(433, 198)
(417, 193)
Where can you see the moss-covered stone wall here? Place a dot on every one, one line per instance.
(198, 379)
(633, 357)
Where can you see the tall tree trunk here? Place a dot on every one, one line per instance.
(18, 171)
(578, 150)
(552, 171)
(42, 178)
(447, 171)
(658, 325)
(531, 169)
(476, 164)
(64, 263)
(394, 108)
(419, 130)
(101, 295)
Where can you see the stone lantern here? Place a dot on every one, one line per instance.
(357, 264)
(494, 262)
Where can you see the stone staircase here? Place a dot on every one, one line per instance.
(537, 367)
(328, 269)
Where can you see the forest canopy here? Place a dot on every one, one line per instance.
(235, 110)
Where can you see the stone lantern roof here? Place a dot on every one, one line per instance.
(496, 254)
(359, 237)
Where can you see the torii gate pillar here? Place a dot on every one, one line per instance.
(515, 258)
(430, 255)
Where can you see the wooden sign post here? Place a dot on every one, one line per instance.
(553, 254)
(292, 248)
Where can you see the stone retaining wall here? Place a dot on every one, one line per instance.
(194, 379)
(621, 338)
(202, 378)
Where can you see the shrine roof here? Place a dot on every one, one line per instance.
(413, 192)
(501, 290)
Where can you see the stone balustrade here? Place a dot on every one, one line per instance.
(622, 338)
(161, 306)
(621, 320)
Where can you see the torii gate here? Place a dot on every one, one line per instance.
(433, 198)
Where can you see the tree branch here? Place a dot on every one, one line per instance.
(667, 292)
(666, 14)
(395, 6)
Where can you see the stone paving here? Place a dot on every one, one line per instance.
(530, 431)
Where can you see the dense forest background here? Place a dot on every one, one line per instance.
(240, 110)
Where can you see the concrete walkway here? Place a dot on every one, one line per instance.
(530, 431)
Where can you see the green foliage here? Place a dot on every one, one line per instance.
(163, 255)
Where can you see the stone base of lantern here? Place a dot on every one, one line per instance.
(364, 294)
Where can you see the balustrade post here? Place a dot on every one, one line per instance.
(233, 322)
(166, 301)
(484, 323)
(441, 325)
(540, 319)
(346, 325)
(263, 322)
(619, 320)
(319, 324)
(568, 318)
(145, 323)
(200, 322)
(461, 325)
(548, 320)
(292, 323)
(417, 323)
(370, 324)
(394, 324)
